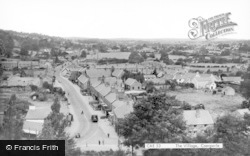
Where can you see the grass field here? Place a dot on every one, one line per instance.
(216, 104)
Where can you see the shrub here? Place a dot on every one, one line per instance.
(42, 97)
(245, 104)
(33, 87)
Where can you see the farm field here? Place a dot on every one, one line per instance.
(216, 104)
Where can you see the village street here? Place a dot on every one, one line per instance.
(90, 132)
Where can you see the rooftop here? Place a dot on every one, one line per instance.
(197, 117)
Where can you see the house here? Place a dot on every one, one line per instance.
(105, 91)
(228, 91)
(197, 121)
(215, 52)
(33, 122)
(110, 98)
(114, 82)
(111, 55)
(184, 78)
(97, 73)
(132, 84)
(242, 112)
(93, 84)
(159, 83)
(25, 82)
(118, 73)
(205, 81)
(83, 81)
(8, 65)
(149, 77)
(32, 127)
(175, 58)
(28, 64)
(233, 80)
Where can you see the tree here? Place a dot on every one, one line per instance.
(186, 106)
(6, 43)
(173, 85)
(245, 88)
(83, 54)
(225, 52)
(245, 104)
(150, 87)
(135, 57)
(24, 52)
(56, 106)
(33, 87)
(153, 120)
(203, 50)
(54, 129)
(231, 131)
(57, 60)
(12, 120)
(165, 58)
(46, 85)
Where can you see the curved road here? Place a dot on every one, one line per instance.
(90, 132)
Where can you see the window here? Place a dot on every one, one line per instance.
(195, 125)
(133, 88)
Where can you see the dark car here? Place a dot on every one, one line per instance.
(94, 118)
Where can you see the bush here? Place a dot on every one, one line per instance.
(33, 87)
(245, 104)
(46, 85)
(186, 106)
(42, 97)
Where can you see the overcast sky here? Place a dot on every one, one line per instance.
(119, 18)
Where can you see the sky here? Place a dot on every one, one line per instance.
(119, 18)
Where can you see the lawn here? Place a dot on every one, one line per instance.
(216, 104)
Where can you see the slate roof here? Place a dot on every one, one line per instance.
(38, 113)
(130, 81)
(95, 73)
(83, 79)
(95, 82)
(105, 90)
(111, 97)
(203, 118)
(118, 73)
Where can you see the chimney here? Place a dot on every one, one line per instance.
(197, 113)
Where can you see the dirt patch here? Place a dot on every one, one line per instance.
(216, 104)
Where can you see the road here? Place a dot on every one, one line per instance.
(90, 132)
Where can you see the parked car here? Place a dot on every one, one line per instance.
(94, 118)
(85, 92)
